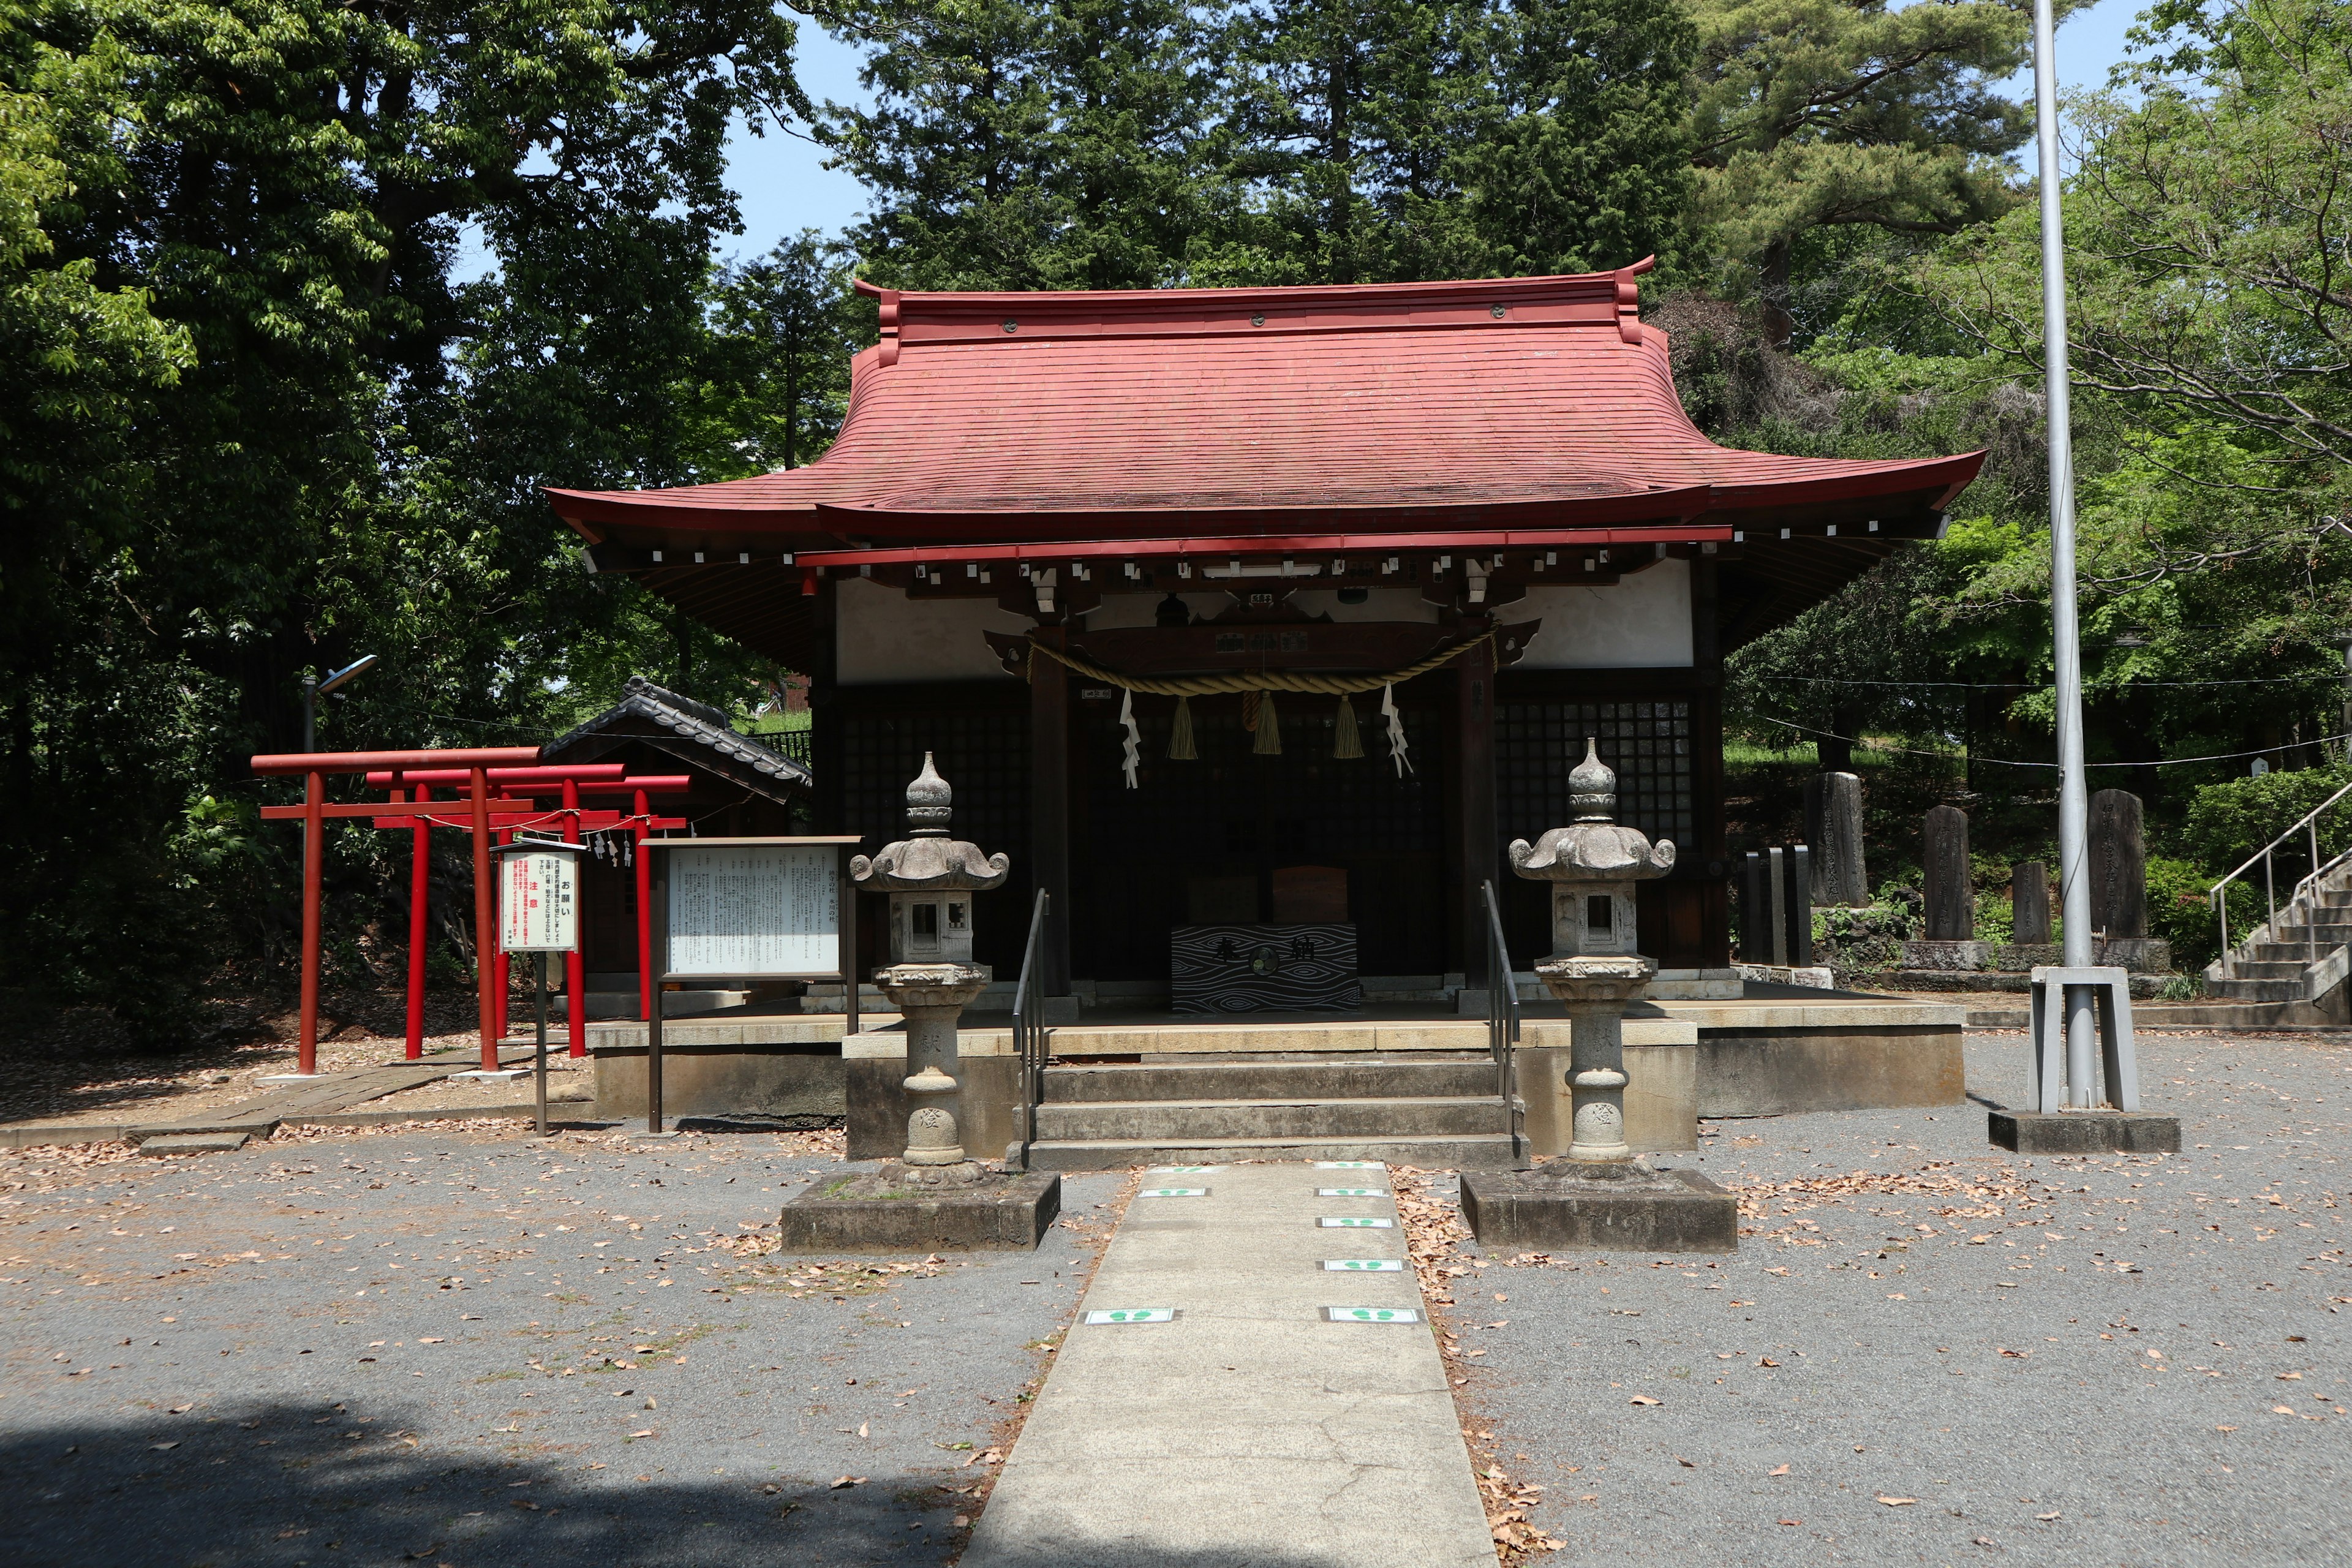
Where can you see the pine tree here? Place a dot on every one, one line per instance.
(1812, 114)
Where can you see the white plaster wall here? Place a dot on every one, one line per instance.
(883, 636)
(1641, 622)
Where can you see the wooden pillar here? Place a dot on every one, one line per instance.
(644, 866)
(575, 963)
(1049, 808)
(314, 831)
(420, 896)
(1475, 850)
(485, 924)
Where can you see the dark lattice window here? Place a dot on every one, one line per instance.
(985, 757)
(1648, 744)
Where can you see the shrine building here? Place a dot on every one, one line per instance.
(1441, 532)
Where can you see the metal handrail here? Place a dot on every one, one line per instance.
(1028, 1039)
(1503, 1022)
(2308, 884)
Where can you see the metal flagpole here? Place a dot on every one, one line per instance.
(2073, 791)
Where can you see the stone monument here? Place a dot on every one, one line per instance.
(1834, 829)
(1950, 897)
(2118, 855)
(1600, 1194)
(2028, 904)
(933, 1194)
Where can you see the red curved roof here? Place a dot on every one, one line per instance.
(1542, 402)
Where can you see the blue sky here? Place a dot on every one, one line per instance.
(785, 187)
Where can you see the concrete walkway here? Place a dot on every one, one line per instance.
(1251, 1429)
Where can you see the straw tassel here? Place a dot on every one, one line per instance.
(1269, 728)
(1346, 744)
(1180, 734)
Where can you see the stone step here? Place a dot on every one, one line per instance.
(1184, 1121)
(2257, 990)
(1484, 1152)
(1469, 1074)
(2286, 952)
(2267, 968)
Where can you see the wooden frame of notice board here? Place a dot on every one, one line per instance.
(748, 909)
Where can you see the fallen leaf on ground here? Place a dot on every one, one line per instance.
(159, 1448)
(646, 1433)
(1897, 1501)
(1778, 1470)
(841, 1482)
(1792, 1521)
(1641, 1399)
(2045, 1517)
(1686, 1464)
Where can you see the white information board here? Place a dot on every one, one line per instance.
(746, 911)
(539, 901)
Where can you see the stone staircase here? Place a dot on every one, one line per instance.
(1433, 1109)
(2275, 962)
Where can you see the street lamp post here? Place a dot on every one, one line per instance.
(315, 687)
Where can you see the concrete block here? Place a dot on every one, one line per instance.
(875, 1101)
(1661, 1094)
(856, 1214)
(2084, 1132)
(779, 1079)
(192, 1143)
(1664, 1211)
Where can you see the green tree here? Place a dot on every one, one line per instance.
(786, 326)
(347, 457)
(1068, 144)
(1816, 114)
(1391, 140)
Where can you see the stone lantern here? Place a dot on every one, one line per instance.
(930, 979)
(1592, 865)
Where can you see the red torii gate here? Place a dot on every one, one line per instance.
(520, 785)
(475, 767)
(314, 811)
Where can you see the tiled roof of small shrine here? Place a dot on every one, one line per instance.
(1530, 402)
(692, 731)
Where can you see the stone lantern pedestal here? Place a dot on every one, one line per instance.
(1600, 1195)
(930, 997)
(933, 1196)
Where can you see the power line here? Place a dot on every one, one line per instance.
(2014, 762)
(2329, 675)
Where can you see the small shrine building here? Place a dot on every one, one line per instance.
(1441, 532)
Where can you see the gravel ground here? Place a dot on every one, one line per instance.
(1961, 1354)
(196, 1376)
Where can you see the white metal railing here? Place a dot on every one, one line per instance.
(2306, 888)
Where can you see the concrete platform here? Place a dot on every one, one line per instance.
(192, 1143)
(768, 1063)
(843, 1215)
(1249, 1428)
(1672, 1211)
(2084, 1132)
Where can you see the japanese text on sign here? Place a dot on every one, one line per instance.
(539, 903)
(742, 911)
